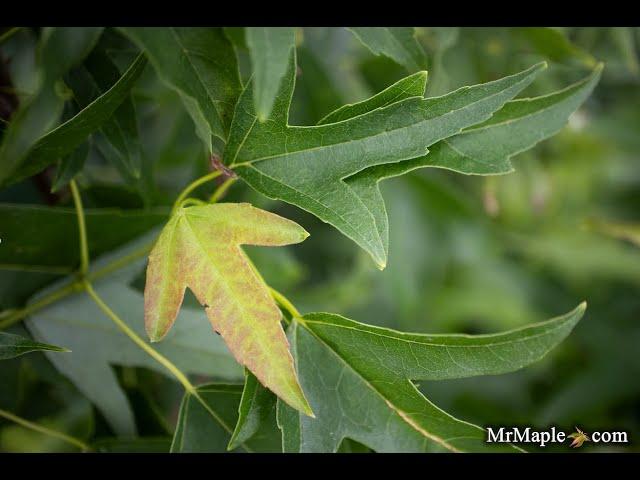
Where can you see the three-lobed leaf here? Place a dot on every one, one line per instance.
(358, 381)
(307, 166)
(199, 248)
(97, 343)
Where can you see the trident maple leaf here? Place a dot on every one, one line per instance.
(199, 248)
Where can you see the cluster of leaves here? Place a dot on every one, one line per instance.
(325, 383)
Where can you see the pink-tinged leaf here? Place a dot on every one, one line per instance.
(199, 248)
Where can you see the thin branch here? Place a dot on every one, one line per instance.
(285, 303)
(9, 33)
(193, 185)
(161, 359)
(45, 430)
(82, 229)
(221, 190)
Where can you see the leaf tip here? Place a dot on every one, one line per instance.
(233, 443)
(381, 264)
(154, 336)
(308, 411)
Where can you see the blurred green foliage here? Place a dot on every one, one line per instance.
(467, 253)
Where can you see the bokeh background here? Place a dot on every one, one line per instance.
(467, 253)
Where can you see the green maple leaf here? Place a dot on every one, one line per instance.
(483, 149)
(358, 379)
(307, 166)
(199, 248)
(364, 390)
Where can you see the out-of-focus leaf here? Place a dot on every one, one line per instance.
(279, 267)
(579, 257)
(74, 419)
(96, 342)
(623, 37)
(209, 429)
(14, 345)
(445, 39)
(60, 49)
(70, 166)
(118, 138)
(199, 248)
(270, 49)
(398, 43)
(237, 36)
(132, 445)
(30, 234)
(306, 166)
(65, 138)
(200, 64)
(554, 45)
(358, 381)
(623, 231)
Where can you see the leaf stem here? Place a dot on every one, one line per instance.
(157, 356)
(193, 185)
(44, 430)
(82, 229)
(221, 190)
(54, 296)
(165, 362)
(285, 303)
(68, 289)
